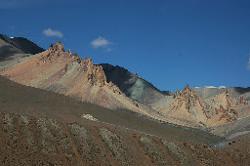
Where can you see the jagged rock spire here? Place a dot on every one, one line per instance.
(58, 46)
(187, 89)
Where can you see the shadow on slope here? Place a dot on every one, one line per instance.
(241, 90)
(132, 85)
(23, 44)
(7, 51)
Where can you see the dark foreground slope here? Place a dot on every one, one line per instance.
(27, 140)
(21, 99)
(43, 128)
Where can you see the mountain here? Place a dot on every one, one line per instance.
(16, 45)
(25, 45)
(235, 99)
(188, 106)
(60, 109)
(132, 85)
(7, 50)
(207, 92)
(197, 107)
(61, 71)
(114, 87)
(40, 127)
(13, 49)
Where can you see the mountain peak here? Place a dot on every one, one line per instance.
(187, 94)
(187, 89)
(57, 55)
(58, 46)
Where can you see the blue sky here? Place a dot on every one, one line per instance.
(168, 42)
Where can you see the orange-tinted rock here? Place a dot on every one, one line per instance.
(63, 72)
(188, 106)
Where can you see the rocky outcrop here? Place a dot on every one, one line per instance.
(189, 98)
(188, 106)
(94, 73)
(228, 115)
(223, 99)
(215, 111)
(225, 106)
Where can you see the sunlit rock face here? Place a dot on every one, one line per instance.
(64, 72)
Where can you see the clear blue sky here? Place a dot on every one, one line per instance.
(168, 42)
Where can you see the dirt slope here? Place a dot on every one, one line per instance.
(20, 99)
(38, 127)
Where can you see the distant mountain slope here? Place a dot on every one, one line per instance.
(207, 106)
(132, 85)
(232, 98)
(187, 106)
(13, 49)
(23, 44)
(204, 107)
(210, 92)
(7, 50)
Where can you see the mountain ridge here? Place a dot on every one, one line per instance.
(115, 87)
(63, 72)
(131, 84)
